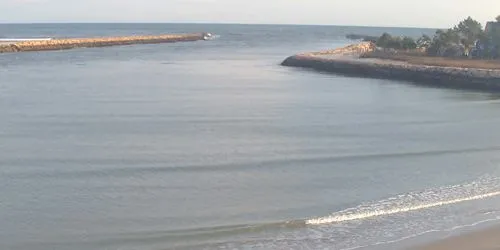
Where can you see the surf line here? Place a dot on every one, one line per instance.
(376, 213)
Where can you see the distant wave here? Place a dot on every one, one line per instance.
(237, 229)
(159, 166)
(477, 190)
(195, 237)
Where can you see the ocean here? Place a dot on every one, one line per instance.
(214, 145)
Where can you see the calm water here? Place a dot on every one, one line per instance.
(213, 145)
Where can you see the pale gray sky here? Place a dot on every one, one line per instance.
(421, 13)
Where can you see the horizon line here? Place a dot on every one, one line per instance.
(217, 23)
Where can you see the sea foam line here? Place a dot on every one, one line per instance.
(376, 213)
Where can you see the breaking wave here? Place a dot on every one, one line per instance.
(481, 189)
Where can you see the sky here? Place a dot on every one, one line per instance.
(401, 13)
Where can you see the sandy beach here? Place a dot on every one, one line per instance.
(488, 239)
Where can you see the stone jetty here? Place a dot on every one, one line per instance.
(348, 61)
(71, 43)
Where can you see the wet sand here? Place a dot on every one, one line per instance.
(483, 240)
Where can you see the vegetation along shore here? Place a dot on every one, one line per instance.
(465, 56)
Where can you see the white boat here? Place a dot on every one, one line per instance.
(207, 36)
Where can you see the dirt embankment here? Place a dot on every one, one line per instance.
(422, 59)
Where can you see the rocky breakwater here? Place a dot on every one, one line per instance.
(348, 61)
(71, 43)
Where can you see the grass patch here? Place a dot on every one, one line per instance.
(421, 59)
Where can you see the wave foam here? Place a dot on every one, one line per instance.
(415, 201)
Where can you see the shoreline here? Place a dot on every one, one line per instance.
(348, 61)
(484, 239)
(72, 43)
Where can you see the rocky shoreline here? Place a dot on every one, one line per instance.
(347, 61)
(71, 43)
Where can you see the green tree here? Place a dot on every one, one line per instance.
(424, 41)
(449, 37)
(408, 43)
(492, 41)
(469, 31)
(395, 43)
(443, 40)
(384, 40)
